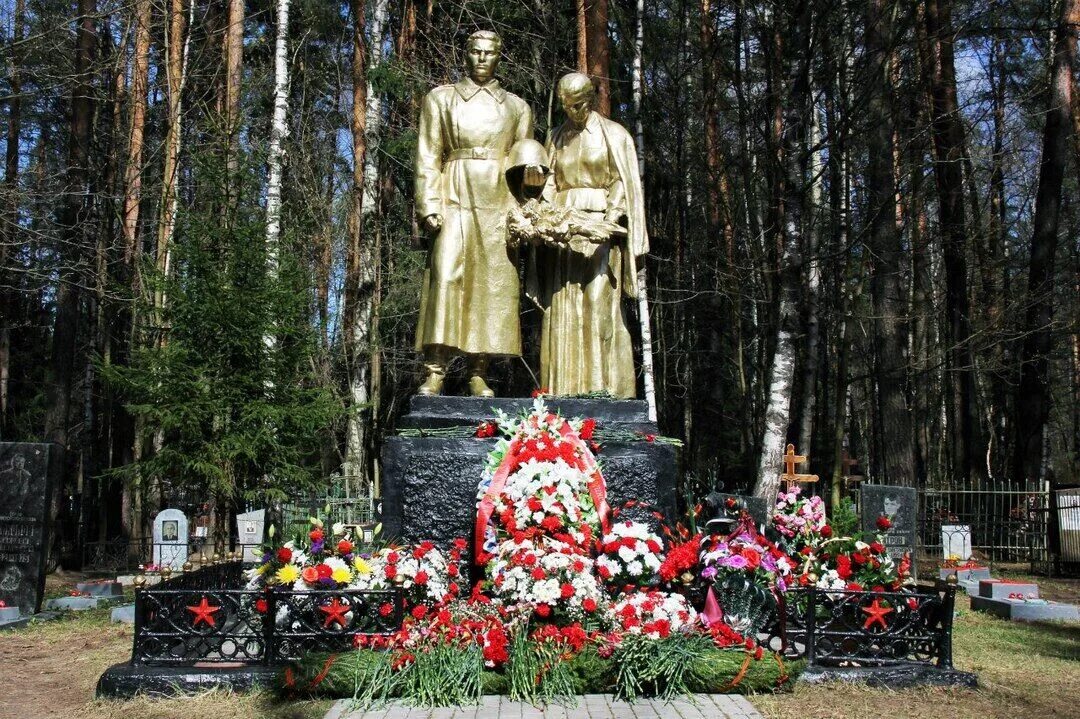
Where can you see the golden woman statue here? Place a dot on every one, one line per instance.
(585, 343)
(469, 300)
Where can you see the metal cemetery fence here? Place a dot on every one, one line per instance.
(1067, 504)
(206, 616)
(835, 628)
(1008, 523)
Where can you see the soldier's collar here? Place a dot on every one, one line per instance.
(467, 88)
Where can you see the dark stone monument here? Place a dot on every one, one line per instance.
(900, 505)
(29, 474)
(724, 509)
(430, 483)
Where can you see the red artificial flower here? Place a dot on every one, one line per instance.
(419, 611)
(566, 590)
(344, 546)
(589, 605)
(534, 504)
(324, 571)
(843, 566)
(284, 555)
(883, 523)
(421, 577)
(587, 429)
(551, 523)
(543, 610)
(538, 574)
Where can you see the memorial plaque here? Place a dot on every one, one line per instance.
(170, 539)
(899, 505)
(29, 474)
(249, 533)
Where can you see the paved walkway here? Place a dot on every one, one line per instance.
(590, 706)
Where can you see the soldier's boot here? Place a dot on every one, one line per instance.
(435, 366)
(478, 386)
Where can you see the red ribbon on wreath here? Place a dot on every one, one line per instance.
(585, 462)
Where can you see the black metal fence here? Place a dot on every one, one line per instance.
(128, 554)
(204, 616)
(838, 628)
(996, 522)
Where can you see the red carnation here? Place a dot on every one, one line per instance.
(587, 429)
(566, 590)
(538, 574)
(419, 611)
(284, 555)
(421, 577)
(589, 605)
(883, 523)
(877, 547)
(543, 610)
(386, 609)
(653, 546)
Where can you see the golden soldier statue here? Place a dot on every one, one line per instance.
(579, 283)
(470, 296)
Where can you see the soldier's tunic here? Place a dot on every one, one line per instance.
(469, 300)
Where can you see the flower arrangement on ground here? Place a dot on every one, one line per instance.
(630, 556)
(798, 518)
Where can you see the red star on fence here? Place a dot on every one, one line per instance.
(876, 614)
(203, 612)
(335, 612)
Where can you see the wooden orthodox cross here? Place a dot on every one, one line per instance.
(789, 476)
(849, 463)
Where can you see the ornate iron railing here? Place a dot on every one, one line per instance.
(836, 628)
(204, 617)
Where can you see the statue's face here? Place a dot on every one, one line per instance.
(576, 106)
(482, 59)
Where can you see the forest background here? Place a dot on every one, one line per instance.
(863, 213)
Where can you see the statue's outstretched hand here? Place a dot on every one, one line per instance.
(534, 176)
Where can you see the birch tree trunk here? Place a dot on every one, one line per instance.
(360, 262)
(234, 71)
(782, 372)
(1033, 396)
(638, 83)
(598, 55)
(279, 130)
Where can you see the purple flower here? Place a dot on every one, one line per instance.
(735, 561)
(708, 572)
(317, 546)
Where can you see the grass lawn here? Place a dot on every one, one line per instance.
(1025, 670)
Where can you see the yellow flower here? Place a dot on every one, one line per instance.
(362, 567)
(287, 574)
(341, 575)
(262, 569)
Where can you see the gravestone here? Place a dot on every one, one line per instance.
(170, 539)
(899, 505)
(956, 541)
(249, 532)
(29, 474)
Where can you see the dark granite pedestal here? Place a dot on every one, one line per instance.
(429, 484)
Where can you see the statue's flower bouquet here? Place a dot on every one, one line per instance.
(541, 223)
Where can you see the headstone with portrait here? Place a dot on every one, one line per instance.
(29, 474)
(249, 533)
(170, 539)
(898, 505)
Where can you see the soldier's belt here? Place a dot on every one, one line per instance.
(473, 153)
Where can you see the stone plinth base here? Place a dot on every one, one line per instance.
(127, 680)
(429, 484)
(896, 676)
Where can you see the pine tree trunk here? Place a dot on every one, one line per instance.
(896, 453)
(949, 158)
(9, 219)
(599, 53)
(234, 72)
(1033, 397)
(582, 37)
